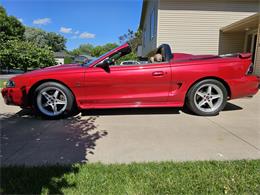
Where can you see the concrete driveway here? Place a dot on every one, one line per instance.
(127, 135)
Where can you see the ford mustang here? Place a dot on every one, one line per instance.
(203, 83)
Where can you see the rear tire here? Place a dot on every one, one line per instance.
(53, 100)
(207, 97)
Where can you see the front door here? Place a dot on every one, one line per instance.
(127, 86)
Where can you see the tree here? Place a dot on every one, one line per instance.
(94, 51)
(134, 39)
(16, 52)
(24, 55)
(36, 36)
(10, 27)
(83, 49)
(100, 50)
(56, 41)
(42, 38)
(127, 36)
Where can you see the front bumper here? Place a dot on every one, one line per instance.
(14, 96)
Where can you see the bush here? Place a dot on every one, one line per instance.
(68, 60)
(24, 55)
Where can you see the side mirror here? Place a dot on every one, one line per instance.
(104, 64)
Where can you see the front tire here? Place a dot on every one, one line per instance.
(207, 97)
(53, 100)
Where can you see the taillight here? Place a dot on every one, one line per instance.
(250, 69)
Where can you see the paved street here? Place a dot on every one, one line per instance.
(127, 135)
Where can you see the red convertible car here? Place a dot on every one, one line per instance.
(203, 83)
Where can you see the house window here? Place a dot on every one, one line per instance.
(152, 24)
(144, 37)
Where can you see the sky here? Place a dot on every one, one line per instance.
(80, 21)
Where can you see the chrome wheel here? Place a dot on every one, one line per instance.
(208, 98)
(51, 101)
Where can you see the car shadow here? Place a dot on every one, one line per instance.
(43, 151)
(130, 111)
(232, 107)
(149, 111)
(29, 140)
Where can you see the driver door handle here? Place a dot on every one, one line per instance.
(158, 73)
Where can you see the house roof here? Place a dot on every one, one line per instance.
(144, 7)
(61, 54)
(247, 23)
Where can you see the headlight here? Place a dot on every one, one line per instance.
(10, 84)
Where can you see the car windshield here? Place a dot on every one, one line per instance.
(80, 58)
(96, 59)
(121, 50)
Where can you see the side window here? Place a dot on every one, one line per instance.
(152, 24)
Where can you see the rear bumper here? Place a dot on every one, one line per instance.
(247, 86)
(14, 96)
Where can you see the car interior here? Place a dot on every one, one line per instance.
(162, 54)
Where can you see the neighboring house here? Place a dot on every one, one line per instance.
(59, 57)
(202, 26)
(82, 58)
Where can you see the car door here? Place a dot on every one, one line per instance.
(123, 86)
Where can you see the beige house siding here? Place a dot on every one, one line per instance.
(231, 42)
(148, 44)
(257, 60)
(193, 26)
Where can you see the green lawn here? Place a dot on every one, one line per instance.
(208, 177)
(2, 83)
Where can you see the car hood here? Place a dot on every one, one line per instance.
(58, 67)
(52, 70)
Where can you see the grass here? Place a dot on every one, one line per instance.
(205, 177)
(2, 83)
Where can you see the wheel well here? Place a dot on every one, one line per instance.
(35, 85)
(215, 78)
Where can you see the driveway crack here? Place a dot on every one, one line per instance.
(235, 135)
